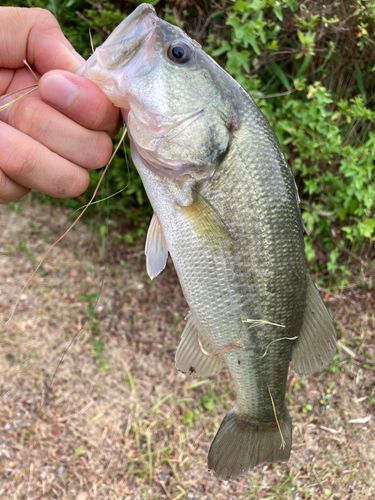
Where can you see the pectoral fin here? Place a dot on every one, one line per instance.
(207, 223)
(316, 344)
(190, 357)
(156, 248)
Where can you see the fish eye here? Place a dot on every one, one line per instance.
(179, 52)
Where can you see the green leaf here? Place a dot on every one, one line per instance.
(370, 223)
(360, 81)
(249, 38)
(22, 246)
(301, 37)
(367, 227)
(304, 65)
(225, 46)
(278, 12)
(241, 6)
(281, 75)
(342, 212)
(209, 404)
(292, 4)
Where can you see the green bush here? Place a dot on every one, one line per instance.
(310, 66)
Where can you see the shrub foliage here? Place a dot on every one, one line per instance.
(310, 66)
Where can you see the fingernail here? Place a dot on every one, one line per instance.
(58, 91)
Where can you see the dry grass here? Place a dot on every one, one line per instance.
(139, 429)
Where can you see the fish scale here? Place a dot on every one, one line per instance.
(226, 209)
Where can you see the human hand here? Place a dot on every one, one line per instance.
(49, 138)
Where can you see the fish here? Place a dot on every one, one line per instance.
(226, 209)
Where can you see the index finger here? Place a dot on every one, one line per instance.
(40, 41)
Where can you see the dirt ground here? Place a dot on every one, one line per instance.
(98, 410)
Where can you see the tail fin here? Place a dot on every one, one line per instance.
(241, 443)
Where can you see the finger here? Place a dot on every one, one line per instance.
(10, 190)
(81, 100)
(6, 76)
(60, 134)
(33, 117)
(21, 79)
(32, 165)
(34, 35)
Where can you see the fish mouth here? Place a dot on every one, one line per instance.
(121, 45)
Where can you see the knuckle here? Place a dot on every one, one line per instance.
(45, 18)
(99, 151)
(21, 163)
(26, 119)
(9, 191)
(99, 113)
(3, 185)
(74, 184)
(103, 116)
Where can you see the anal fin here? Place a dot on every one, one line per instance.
(156, 248)
(190, 357)
(316, 343)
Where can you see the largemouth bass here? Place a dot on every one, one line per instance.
(226, 209)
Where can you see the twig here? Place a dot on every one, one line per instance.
(4, 106)
(224, 349)
(31, 71)
(19, 90)
(364, 420)
(347, 350)
(283, 443)
(280, 94)
(261, 322)
(332, 431)
(91, 42)
(353, 255)
(277, 340)
(101, 33)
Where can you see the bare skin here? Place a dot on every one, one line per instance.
(49, 139)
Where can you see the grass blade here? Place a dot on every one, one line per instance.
(281, 75)
(360, 81)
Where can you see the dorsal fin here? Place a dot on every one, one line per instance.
(156, 248)
(316, 343)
